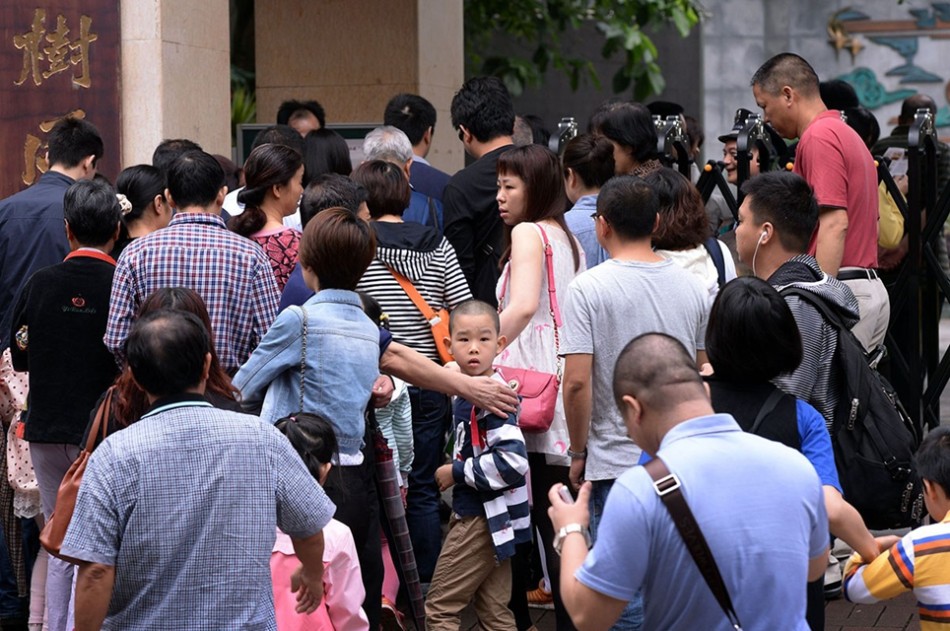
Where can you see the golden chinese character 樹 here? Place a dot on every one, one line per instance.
(60, 52)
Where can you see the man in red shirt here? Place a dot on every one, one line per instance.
(835, 162)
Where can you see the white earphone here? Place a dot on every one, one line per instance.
(764, 234)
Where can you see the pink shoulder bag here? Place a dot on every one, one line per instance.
(538, 390)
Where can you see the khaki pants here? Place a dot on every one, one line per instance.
(467, 572)
(875, 309)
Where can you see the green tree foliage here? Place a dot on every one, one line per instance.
(542, 23)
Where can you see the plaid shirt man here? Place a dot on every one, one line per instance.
(196, 250)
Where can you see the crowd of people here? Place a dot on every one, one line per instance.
(257, 340)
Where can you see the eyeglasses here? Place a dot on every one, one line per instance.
(461, 135)
(594, 215)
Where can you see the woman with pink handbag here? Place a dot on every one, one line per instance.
(543, 257)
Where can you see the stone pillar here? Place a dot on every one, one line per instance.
(175, 75)
(353, 55)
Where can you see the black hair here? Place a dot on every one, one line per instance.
(476, 308)
(629, 205)
(695, 132)
(664, 108)
(683, 222)
(863, 121)
(597, 116)
(410, 113)
(168, 151)
(287, 109)
(933, 458)
(630, 125)
(838, 94)
(194, 179)
(786, 69)
(752, 336)
(166, 351)
(325, 151)
(312, 437)
(71, 141)
(483, 106)
(279, 135)
(140, 184)
(267, 166)
(92, 212)
(232, 172)
(591, 157)
(658, 370)
(330, 190)
(913, 103)
(373, 310)
(786, 200)
(539, 133)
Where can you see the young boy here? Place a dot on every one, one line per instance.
(921, 559)
(490, 503)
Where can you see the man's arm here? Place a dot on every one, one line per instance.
(817, 566)
(307, 581)
(122, 308)
(93, 593)
(417, 369)
(577, 392)
(832, 229)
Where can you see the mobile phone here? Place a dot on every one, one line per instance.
(565, 494)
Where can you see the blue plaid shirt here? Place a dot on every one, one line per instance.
(184, 504)
(230, 272)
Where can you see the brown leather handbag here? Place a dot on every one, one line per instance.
(53, 533)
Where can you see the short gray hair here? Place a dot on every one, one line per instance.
(389, 144)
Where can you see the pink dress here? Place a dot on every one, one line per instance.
(280, 246)
(343, 593)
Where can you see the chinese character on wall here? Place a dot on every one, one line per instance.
(34, 149)
(56, 49)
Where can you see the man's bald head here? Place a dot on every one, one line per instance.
(658, 371)
(912, 104)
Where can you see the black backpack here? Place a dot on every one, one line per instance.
(873, 437)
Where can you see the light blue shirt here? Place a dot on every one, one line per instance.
(760, 505)
(579, 221)
(184, 504)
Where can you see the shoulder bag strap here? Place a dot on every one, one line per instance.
(667, 486)
(100, 424)
(774, 397)
(552, 298)
(421, 304)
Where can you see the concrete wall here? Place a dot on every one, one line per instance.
(353, 55)
(175, 75)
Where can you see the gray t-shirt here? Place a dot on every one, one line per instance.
(604, 309)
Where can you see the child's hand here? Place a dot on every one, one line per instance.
(444, 478)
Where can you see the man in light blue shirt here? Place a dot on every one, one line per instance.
(759, 504)
(177, 514)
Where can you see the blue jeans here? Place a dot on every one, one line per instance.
(431, 417)
(632, 617)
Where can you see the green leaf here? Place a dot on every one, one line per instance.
(681, 21)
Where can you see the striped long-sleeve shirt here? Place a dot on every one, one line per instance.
(920, 562)
(489, 468)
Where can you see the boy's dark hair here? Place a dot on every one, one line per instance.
(630, 124)
(411, 114)
(933, 458)
(330, 190)
(194, 179)
(166, 351)
(312, 437)
(387, 190)
(287, 110)
(786, 69)
(591, 157)
(484, 107)
(92, 212)
(168, 151)
(786, 200)
(629, 205)
(475, 307)
(279, 135)
(71, 141)
(748, 316)
(338, 246)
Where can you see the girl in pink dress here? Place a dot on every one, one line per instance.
(343, 593)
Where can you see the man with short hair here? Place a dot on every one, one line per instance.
(754, 499)
(392, 145)
(776, 221)
(231, 273)
(836, 163)
(635, 291)
(170, 150)
(178, 513)
(415, 117)
(898, 137)
(303, 116)
(484, 116)
(31, 221)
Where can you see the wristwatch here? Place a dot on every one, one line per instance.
(568, 529)
(576, 455)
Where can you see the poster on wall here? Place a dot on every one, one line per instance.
(57, 58)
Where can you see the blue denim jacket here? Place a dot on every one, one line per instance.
(342, 362)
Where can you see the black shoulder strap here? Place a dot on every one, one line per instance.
(667, 486)
(715, 252)
(766, 409)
